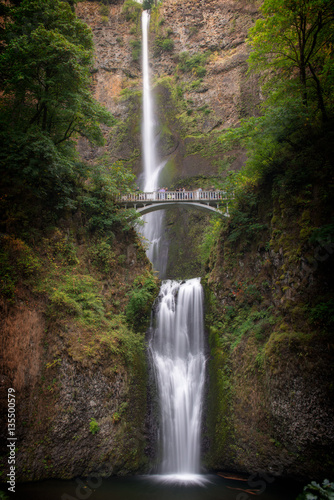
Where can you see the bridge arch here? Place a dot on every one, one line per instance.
(145, 203)
(160, 206)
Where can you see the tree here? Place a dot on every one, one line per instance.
(107, 183)
(45, 70)
(295, 38)
(147, 4)
(46, 99)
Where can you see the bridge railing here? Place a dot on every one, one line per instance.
(197, 195)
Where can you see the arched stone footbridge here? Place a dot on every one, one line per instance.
(144, 203)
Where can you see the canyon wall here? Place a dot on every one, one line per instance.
(73, 349)
(201, 86)
(70, 345)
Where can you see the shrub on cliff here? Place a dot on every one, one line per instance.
(194, 63)
(162, 44)
(132, 10)
(141, 298)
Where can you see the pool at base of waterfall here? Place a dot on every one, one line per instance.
(169, 487)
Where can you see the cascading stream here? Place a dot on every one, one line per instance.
(177, 350)
(176, 345)
(154, 222)
(149, 152)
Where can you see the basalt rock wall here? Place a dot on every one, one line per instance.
(192, 104)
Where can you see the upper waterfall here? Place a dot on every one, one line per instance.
(149, 153)
(153, 230)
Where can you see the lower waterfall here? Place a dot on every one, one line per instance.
(177, 350)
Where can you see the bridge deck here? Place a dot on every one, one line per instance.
(207, 197)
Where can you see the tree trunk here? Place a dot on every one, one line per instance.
(303, 82)
(319, 95)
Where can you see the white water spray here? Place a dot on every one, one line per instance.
(179, 363)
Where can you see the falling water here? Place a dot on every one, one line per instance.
(154, 226)
(177, 341)
(178, 357)
(149, 152)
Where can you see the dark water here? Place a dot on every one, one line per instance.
(146, 487)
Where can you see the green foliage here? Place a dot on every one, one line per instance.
(210, 237)
(63, 302)
(323, 314)
(46, 102)
(78, 295)
(8, 276)
(147, 4)
(93, 426)
(167, 45)
(102, 255)
(281, 144)
(65, 249)
(104, 11)
(162, 44)
(46, 67)
(18, 262)
(244, 221)
(117, 415)
(136, 49)
(132, 10)
(200, 71)
(219, 398)
(108, 182)
(315, 491)
(323, 235)
(140, 300)
(296, 36)
(246, 317)
(194, 63)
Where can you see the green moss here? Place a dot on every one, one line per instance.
(128, 451)
(174, 109)
(185, 230)
(219, 421)
(19, 264)
(168, 173)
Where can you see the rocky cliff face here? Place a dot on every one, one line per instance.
(204, 96)
(77, 367)
(218, 29)
(271, 398)
(81, 384)
(199, 72)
